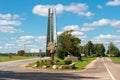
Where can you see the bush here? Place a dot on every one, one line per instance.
(37, 63)
(60, 53)
(68, 62)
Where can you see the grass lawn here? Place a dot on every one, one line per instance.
(8, 58)
(79, 65)
(115, 59)
(85, 61)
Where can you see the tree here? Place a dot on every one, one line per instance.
(90, 48)
(85, 50)
(113, 50)
(99, 50)
(68, 44)
(81, 49)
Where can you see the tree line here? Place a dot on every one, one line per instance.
(69, 44)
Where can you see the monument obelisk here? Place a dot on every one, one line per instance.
(51, 29)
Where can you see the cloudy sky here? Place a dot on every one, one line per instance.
(23, 23)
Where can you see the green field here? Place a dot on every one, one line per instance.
(115, 59)
(10, 58)
(79, 65)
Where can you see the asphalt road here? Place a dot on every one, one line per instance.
(100, 69)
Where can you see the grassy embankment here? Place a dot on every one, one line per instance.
(79, 65)
(115, 59)
(10, 58)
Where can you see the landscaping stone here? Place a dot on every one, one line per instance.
(34, 66)
(55, 66)
(68, 57)
(74, 59)
(44, 67)
(70, 66)
(64, 67)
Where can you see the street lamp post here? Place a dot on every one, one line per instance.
(40, 51)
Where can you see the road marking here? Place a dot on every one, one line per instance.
(108, 70)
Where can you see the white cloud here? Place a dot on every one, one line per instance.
(34, 50)
(115, 23)
(25, 39)
(5, 16)
(29, 43)
(101, 22)
(87, 29)
(59, 32)
(8, 23)
(77, 8)
(20, 31)
(71, 27)
(10, 29)
(16, 17)
(41, 38)
(80, 35)
(59, 8)
(32, 42)
(7, 29)
(87, 14)
(99, 6)
(9, 46)
(9, 16)
(106, 39)
(42, 10)
(118, 30)
(113, 3)
(1, 47)
(77, 31)
(28, 38)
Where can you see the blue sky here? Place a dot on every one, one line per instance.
(24, 23)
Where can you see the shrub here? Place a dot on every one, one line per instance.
(37, 63)
(68, 62)
(60, 53)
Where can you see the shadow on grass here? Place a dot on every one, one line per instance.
(9, 75)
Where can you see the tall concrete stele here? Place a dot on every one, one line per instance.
(51, 28)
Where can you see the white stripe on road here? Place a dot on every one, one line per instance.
(108, 70)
